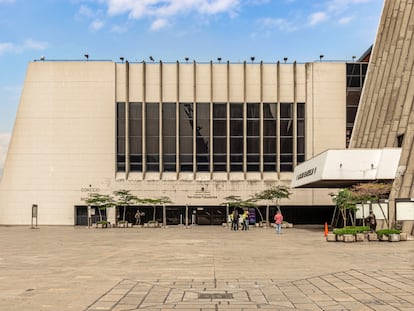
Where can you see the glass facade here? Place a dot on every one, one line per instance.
(211, 137)
(355, 77)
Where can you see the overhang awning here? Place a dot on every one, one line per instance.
(342, 168)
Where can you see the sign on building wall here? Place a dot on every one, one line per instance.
(404, 210)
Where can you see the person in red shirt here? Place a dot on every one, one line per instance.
(278, 222)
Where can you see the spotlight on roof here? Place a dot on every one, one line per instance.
(321, 56)
(122, 59)
(219, 59)
(186, 59)
(42, 57)
(86, 56)
(252, 59)
(151, 58)
(353, 58)
(285, 59)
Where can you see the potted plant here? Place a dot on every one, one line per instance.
(392, 235)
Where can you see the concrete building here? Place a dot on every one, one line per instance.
(197, 133)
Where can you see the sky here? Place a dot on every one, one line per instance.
(171, 30)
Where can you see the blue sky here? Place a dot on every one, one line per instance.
(171, 30)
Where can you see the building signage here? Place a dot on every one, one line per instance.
(202, 195)
(306, 173)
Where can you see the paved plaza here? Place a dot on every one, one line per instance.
(199, 268)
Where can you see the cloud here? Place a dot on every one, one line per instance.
(278, 23)
(316, 18)
(4, 145)
(6, 47)
(28, 44)
(6, 1)
(163, 10)
(96, 25)
(345, 20)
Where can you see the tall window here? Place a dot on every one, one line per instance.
(219, 137)
(152, 137)
(120, 137)
(236, 137)
(300, 133)
(186, 137)
(135, 137)
(253, 137)
(203, 137)
(169, 137)
(269, 137)
(286, 137)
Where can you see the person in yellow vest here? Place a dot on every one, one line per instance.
(245, 217)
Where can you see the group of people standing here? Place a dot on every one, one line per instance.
(236, 220)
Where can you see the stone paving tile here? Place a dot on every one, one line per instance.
(321, 293)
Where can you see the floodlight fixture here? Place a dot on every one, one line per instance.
(285, 59)
(321, 56)
(86, 56)
(219, 59)
(151, 58)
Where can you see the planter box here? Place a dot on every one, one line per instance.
(403, 236)
(349, 238)
(339, 237)
(394, 237)
(359, 237)
(330, 237)
(372, 237)
(383, 237)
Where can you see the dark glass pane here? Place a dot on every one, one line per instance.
(286, 145)
(253, 128)
(219, 128)
(135, 111)
(269, 158)
(253, 145)
(120, 110)
(269, 111)
(135, 145)
(253, 158)
(269, 128)
(352, 97)
(236, 167)
(219, 158)
(236, 158)
(219, 167)
(120, 158)
(301, 127)
(203, 128)
(300, 158)
(301, 145)
(121, 127)
(286, 110)
(354, 81)
(121, 145)
(135, 158)
(269, 145)
(219, 111)
(236, 127)
(269, 167)
(152, 167)
(203, 167)
(220, 145)
(253, 167)
(301, 111)
(286, 167)
(364, 68)
(169, 167)
(135, 128)
(236, 145)
(352, 69)
(136, 167)
(286, 128)
(351, 114)
(286, 158)
(236, 111)
(253, 111)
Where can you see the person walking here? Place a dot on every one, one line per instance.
(278, 222)
(372, 221)
(137, 218)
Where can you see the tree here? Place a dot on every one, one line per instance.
(345, 200)
(101, 201)
(235, 201)
(124, 198)
(155, 202)
(273, 193)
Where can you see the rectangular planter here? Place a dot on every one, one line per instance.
(394, 237)
(372, 237)
(348, 238)
(339, 237)
(330, 237)
(359, 237)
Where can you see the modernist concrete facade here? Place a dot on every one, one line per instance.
(70, 136)
(386, 114)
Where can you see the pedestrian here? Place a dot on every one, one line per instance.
(372, 221)
(245, 217)
(235, 222)
(138, 218)
(278, 222)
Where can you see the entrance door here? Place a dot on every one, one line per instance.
(211, 215)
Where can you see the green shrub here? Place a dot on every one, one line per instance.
(351, 230)
(388, 231)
